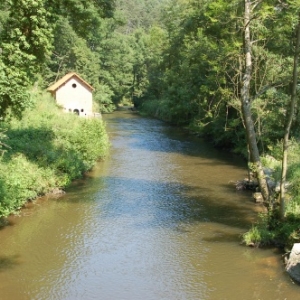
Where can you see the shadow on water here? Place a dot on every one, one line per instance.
(219, 236)
(6, 222)
(149, 203)
(162, 137)
(8, 262)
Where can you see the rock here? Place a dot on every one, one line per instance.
(271, 183)
(268, 172)
(277, 187)
(258, 198)
(56, 192)
(246, 184)
(293, 263)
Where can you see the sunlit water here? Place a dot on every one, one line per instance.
(159, 219)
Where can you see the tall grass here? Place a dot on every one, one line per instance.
(270, 229)
(48, 149)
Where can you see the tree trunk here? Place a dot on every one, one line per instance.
(289, 120)
(246, 105)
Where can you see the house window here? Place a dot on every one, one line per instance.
(74, 85)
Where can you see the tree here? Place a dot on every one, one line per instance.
(246, 101)
(290, 111)
(27, 29)
(26, 43)
(142, 14)
(116, 57)
(84, 16)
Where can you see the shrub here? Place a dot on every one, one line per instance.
(48, 149)
(260, 233)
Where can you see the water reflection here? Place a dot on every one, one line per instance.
(159, 219)
(8, 262)
(168, 203)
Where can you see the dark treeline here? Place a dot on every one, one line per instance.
(226, 70)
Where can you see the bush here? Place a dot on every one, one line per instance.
(157, 109)
(21, 180)
(289, 231)
(48, 149)
(260, 233)
(270, 230)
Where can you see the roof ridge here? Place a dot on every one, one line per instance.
(66, 78)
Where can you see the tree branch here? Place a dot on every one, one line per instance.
(267, 87)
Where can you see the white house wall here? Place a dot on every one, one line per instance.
(74, 95)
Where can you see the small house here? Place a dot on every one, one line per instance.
(74, 94)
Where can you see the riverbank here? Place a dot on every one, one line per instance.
(156, 220)
(45, 151)
(269, 230)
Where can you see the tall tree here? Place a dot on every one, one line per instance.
(246, 100)
(291, 109)
(26, 43)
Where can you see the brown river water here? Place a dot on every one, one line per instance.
(159, 219)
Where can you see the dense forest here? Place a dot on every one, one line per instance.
(225, 70)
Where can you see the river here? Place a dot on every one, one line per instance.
(158, 219)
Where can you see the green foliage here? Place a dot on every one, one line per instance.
(4, 15)
(103, 98)
(116, 59)
(26, 43)
(180, 61)
(257, 236)
(48, 38)
(260, 234)
(289, 230)
(48, 150)
(20, 181)
(195, 64)
(83, 16)
(269, 230)
(14, 95)
(293, 179)
(138, 14)
(159, 109)
(71, 53)
(28, 30)
(293, 173)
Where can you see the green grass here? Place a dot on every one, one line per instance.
(48, 149)
(260, 233)
(270, 229)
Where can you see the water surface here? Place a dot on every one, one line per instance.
(159, 219)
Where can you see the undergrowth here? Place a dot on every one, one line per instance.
(270, 229)
(44, 150)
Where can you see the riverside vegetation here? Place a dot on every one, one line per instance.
(45, 150)
(227, 70)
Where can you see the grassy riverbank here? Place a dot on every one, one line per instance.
(270, 229)
(45, 150)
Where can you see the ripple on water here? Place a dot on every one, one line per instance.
(157, 220)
